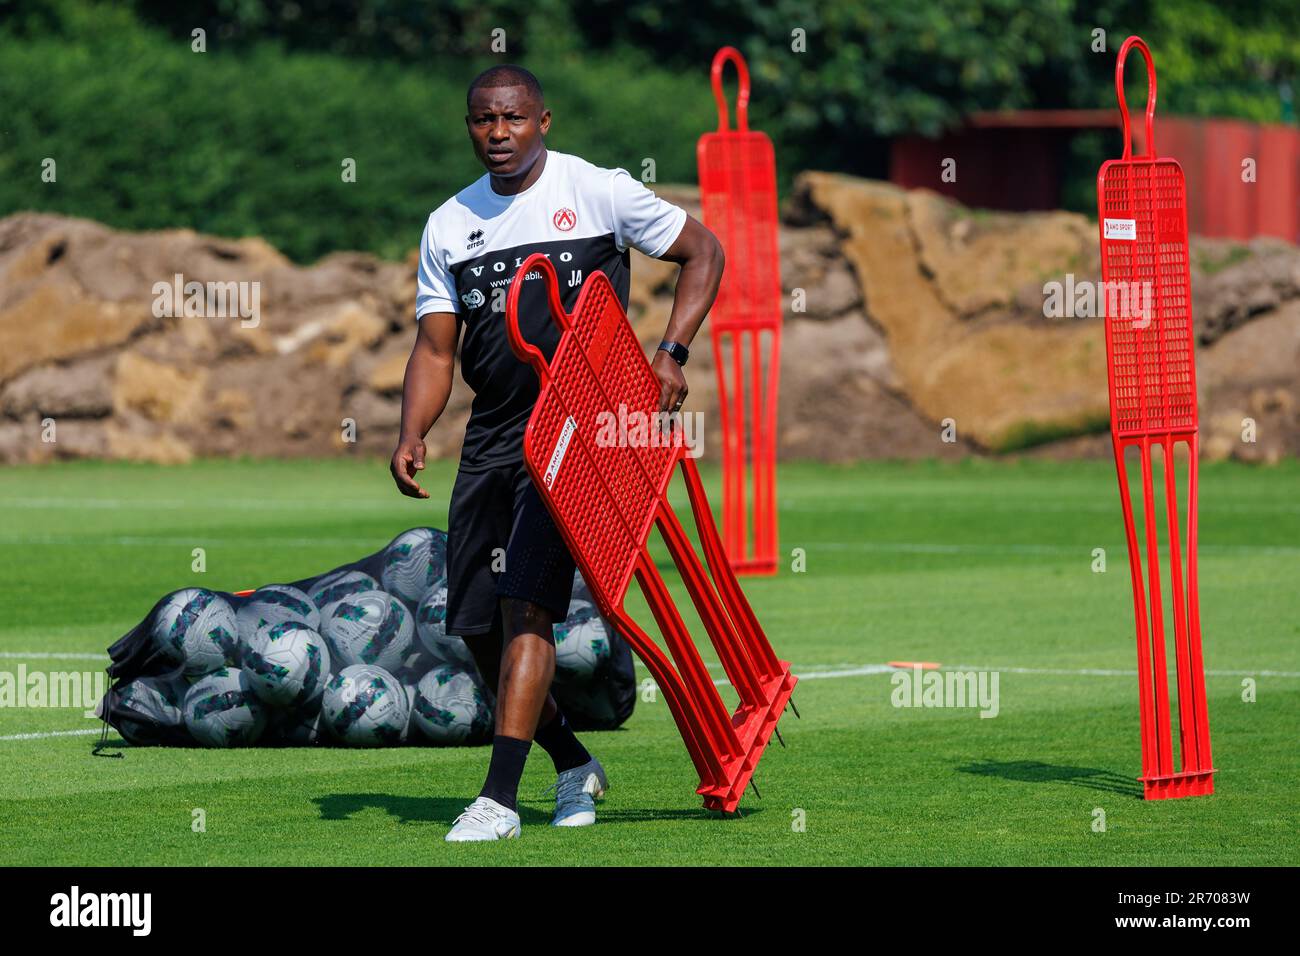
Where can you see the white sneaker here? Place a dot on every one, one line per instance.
(576, 793)
(484, 819)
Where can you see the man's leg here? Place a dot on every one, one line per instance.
(523, 689)
(537, 583)
(554, 735)
(479, 522)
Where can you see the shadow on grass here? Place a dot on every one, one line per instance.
(443, 810)
(648, 815)
(440, 810)
(1033, 771)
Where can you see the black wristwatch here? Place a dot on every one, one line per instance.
(678, 353)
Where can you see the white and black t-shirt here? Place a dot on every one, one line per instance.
(583, 218)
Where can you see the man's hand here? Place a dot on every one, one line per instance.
(672, 382)
(407, 460)
(424, 395)
(699, 254)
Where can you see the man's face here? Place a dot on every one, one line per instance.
(506, 125)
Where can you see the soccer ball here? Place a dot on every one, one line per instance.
(369, 627)
(365, 706)
(431, 626)
(274, 604)
(581, 644)
(580, 589)
(221, 710)
(197, 629)
(415, 563)
(337, 585)
(287, 663)
(450, 708)
(153, 702)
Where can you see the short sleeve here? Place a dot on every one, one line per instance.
(435, 288)
(641, 219)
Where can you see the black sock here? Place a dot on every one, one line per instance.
(557, 739)
(505, 769)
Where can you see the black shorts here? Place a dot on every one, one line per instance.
(499, 508)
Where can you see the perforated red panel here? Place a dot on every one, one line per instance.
(1142, 220)
(1148, 296)
(602, 469)
(737, 169)
(738, 202)
(609, 490)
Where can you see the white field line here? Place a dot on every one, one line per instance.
(186, 541)
(52, 733)
(903, 547)
(818, 673)
(928, 504)
(812, 673)
(862, 670)
(878, 547)
(1018, 506)
(187, 504)
(51, 656)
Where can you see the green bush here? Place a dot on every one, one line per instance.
(249, 137)
(147, 134)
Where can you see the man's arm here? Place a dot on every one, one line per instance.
(699, 254)
(425, 391)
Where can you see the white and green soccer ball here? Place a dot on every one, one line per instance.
(431, 627)
(196, 629)
(365, 706)
(369, 627)
(275, 604)
(152, 702)
(415, 563)
(581, 644)
(450, 707)
(340, 584)
(288, 663)
(581, 590)
(221, 710)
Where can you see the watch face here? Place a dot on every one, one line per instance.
(677, 352)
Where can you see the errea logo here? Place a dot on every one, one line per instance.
(74, 909)
(474, 239)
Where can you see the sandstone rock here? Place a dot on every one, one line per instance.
(162, 393)
(33, 441)
(160, 447)
(78, 390)
(55, 323)
(978, 259)
(1006, 384)
(378, 419)
(231, 409)
(1232, 282)
(352, 327)
(917, 311)
(18, 441)
(388, 376)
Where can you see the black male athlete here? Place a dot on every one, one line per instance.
(509, 572)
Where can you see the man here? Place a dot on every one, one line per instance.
(584, 218)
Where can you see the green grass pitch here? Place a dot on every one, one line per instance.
(974, 565)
